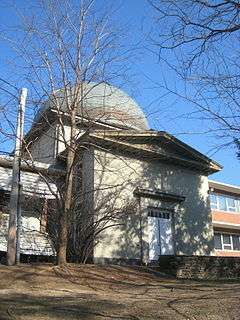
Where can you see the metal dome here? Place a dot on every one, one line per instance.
(101, 102)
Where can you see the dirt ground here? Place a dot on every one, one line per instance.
(111, 292)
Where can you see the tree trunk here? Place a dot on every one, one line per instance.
(65, 214)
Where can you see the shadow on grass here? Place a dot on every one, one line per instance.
(76, 306)
(137, 277)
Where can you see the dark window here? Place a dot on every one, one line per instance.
(158, 213)
(236, 242)
(217, 241)
(4, 201)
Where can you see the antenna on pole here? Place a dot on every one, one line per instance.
(14, 196)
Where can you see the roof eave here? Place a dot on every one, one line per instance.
(224, 187)
(32, 166)
(204, 168)
(154, 134)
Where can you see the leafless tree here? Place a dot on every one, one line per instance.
(8, 101)
(64, 45)
(199, 41)
(86, 226)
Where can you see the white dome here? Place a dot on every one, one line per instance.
(101, 102)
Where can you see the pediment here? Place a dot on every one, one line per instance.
(157, 145)
(163, 148)
(169, 150)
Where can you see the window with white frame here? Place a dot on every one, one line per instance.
(224, 203)
(214, 201)
(225, 241)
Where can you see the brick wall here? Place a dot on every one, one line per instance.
(226, 216)
(222, 253)
(201, 267)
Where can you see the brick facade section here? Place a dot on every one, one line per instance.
(201, 267)
(226, 217)
(222, 253)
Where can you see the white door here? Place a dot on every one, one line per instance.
(153, 238)
(166, 239)
(160, 237)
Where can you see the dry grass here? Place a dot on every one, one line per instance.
(111, 292)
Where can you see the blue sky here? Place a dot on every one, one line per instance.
(164, 112)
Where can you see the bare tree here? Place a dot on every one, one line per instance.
(8, 102)
(61, 47)
(199, 41)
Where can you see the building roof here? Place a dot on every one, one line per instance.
(220, 186)
(33, 179)
(32, 166)
(102, 102)
(153, 145)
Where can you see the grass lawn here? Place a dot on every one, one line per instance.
(43, 291)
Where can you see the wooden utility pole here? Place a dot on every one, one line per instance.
(19, 223)
(14, 196)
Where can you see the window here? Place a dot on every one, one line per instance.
(224, 203)
(217, 241)
(213, 201)
(4, 201)
(226, 241)
(236, 242)
(159, 213)
(231, 204)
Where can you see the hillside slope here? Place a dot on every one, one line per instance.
(110, 292)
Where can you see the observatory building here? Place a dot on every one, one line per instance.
(138, 193)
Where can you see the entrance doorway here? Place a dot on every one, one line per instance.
(159, 234)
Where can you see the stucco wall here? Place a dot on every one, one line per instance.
(193, 226)
(88, 179)
(52, 142)
(43, 149)
(63, 137)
